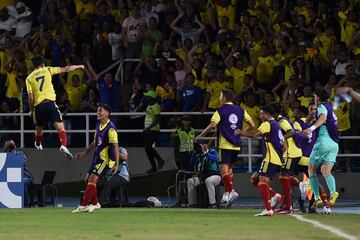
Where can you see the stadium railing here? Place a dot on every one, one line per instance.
(251, 146)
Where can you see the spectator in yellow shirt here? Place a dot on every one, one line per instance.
(212, 95)
(307, 96)
(75, 91)
(265, 65)
(252, 108)
(344, 127)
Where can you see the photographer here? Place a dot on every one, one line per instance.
(112, 182)
(10, 147)
(204, 162)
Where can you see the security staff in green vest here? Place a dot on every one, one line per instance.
(184, 143)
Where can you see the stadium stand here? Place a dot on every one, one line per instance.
(187, 50)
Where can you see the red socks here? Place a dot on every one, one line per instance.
(38, 139)
(272, 192)
(62, 138)
(265, 194)
(294, 182)
(228, 183)
(323, 197)
(286, 191)
(90, 195)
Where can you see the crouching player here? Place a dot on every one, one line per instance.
(273, 150)
(106, 157)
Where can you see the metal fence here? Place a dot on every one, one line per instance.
(250, 147)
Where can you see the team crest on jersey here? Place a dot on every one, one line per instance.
(233, 119)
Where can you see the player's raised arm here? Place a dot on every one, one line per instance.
(71, 68)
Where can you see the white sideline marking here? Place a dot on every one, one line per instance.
(333, 230)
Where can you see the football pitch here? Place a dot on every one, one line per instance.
(167, 223)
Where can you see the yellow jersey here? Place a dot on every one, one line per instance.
(214, 88)
(238, 77)
(343, 116)
(265, 69)
(75, 95)
(12, 90)
(305, 101)
(223, 143)
(39, 83)
(292, 150)
(271, 154)
(254, 113)
(324, 43)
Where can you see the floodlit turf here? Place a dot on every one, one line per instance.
(348, 223)
(164, 224)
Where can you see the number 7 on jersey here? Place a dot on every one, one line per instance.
(41, 78)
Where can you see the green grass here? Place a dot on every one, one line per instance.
(162, 224)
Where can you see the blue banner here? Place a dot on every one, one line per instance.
(11, 180)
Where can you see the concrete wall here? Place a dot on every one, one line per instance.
(74, 171)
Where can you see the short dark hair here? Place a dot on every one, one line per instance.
(322, 93)
(105, 106)
(268, 108)
(37, 60)
(275, 107)
(303, 110)
(228, 94)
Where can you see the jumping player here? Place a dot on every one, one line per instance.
(227, 118)
(106, 157)
(273, 149)
(326, 147)
(42, 101)
(304, 118)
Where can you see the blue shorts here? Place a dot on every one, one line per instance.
(268, 169)
(228, 156)
(45, 112)
(324, 152)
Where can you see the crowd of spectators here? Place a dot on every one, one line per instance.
(188, 51)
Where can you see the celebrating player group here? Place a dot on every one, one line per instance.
(309, 145)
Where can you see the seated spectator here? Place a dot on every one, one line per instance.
(112, 182)
(10, 147)
(204, 163)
